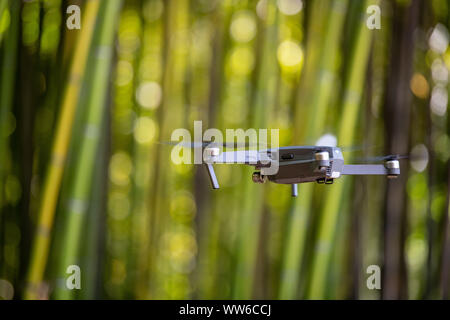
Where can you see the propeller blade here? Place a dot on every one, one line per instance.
(383, 158)
(357, 148)
(183, 144)
(204, 144)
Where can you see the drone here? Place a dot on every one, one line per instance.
(295, 164)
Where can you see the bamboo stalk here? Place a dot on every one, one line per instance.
(55, 170)
(92, 256)
(398, 114)
(122, 265)
(250, 238)
(445, 260)
(212, 227)
(78, 203)
(165, 280)
(346, 133)
(142, 177)
(3, 5)
(7, 81)
(445, 263)
(321, 95)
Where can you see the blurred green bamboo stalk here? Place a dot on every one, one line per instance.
(250, 211)
(61, 141)
(321, 95)
(445, 277)
(121, 266)
(102, 50)
(3, 5)
(166, 280)
(91, 251)
(352, 99)
(175, 96)
(210, 236)
(7, 81)
(142, 176)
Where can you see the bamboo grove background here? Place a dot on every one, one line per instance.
(83, 180)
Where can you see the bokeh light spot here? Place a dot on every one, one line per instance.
(243, 26)
(419, 86)
(419, 157)
(417, 186)
(128, 39)
(439, 100)
(182, 247)
(261, 9)
(290, 55)
(120, 168)
(183, 207)
(6, 290)
(124, 73)
(144, 130)
(439, 39)
(328, 140)
(118, 205)
(13, 189)
(242, 61)
(417, 252)
(290, 7)
(439, 72)
(149, 95)
(153, 10)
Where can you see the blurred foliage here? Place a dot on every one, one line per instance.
(84, 181)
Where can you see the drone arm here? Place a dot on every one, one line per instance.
(364, 169)
(237, 157)
(212, 175)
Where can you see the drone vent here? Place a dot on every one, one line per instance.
(329, 168)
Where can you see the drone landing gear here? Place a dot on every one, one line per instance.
(212, 175)
(294, 190)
